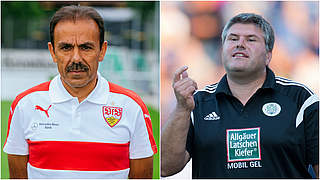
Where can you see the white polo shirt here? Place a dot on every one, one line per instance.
(67, 139)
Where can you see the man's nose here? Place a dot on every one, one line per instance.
(241, 44)
(76, 56)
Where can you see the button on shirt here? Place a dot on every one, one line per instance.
(275, 134)
(67, 139)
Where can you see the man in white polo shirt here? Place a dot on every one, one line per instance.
(79, 125)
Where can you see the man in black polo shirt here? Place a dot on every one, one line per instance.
(251, 124)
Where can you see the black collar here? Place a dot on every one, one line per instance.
(269, 83)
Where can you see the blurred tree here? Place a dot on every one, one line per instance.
(146, 8)
(24, 24)
(21, 10)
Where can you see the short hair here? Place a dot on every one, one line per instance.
(73, 13)
(250, 18)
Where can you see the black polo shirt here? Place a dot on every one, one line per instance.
(274, 135)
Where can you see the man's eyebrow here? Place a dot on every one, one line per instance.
(87, 44)
(61, 44)
(247, 36)
(232, 34)
(252, 35)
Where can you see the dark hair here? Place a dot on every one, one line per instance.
(259, 21)
(73, 13)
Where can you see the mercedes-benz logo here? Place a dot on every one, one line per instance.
(34, 126)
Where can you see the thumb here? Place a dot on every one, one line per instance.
(184, 74)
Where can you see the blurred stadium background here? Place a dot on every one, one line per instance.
(190, 35)
(132, 58)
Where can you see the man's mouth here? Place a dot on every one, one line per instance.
(240, 54)
(77, 71)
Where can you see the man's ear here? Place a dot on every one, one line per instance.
(103, 51)
(268, 58)
(50, 47)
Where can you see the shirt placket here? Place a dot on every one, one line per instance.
(76, 115)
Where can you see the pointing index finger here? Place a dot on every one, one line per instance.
(179, 72)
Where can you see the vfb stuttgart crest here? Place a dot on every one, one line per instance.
(112, 115)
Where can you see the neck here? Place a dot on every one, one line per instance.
(243, 89)
(81, 92)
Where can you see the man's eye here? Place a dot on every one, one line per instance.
(85, 47)
(66, 47)
(251, 40)
(233, 38)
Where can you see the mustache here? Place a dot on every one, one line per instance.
(77, 67)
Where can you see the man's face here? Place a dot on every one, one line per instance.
(77, 51)
(244, 51)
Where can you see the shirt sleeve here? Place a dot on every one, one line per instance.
(142, 143)
(16, 142)
(189, 145)
(311, 120)
(190, 136)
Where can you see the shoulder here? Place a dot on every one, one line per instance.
(294, 90)
(206, 92)
(292, 86)
(41, 87)
(114, 88)
(208, 89)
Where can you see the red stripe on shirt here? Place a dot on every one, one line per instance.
(81, 156)
(120, 90)
(41, 87)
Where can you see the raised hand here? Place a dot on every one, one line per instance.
(184, 87)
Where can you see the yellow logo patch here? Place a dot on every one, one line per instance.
(112, 115)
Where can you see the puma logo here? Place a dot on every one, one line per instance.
(41, 109)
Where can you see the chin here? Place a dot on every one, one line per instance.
(77, 83)
(237, 69)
